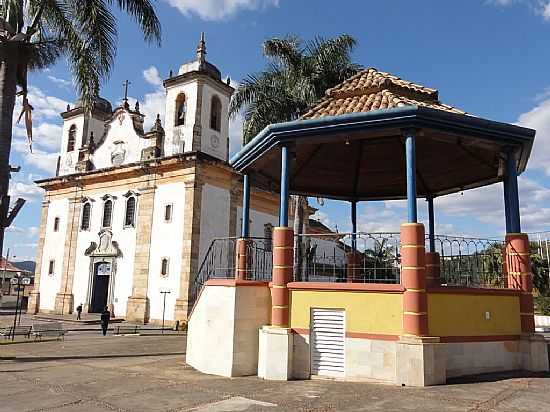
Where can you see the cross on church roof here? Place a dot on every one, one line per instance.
(125, 99)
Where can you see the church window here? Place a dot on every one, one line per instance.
(72, 138)
(107, 213)
(56, 224)
(215, 113)
(168, 213)
(86, 214)
(268, 237)
(130, 217)
(181, 110)
(51, 267)
(164, 267)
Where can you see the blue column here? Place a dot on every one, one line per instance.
(511, 194)
(411, 175)
(431, 223)
(285, 174)
(245, 229)
(506, 206)
(354, 225)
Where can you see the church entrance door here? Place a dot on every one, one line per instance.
(100, 291)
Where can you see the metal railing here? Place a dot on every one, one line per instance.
(322, 258)
(470, 262)
(219, 263)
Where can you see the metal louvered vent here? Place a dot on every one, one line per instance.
(328, 335)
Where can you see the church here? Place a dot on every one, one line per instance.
(130, 214)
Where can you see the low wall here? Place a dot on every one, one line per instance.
(222, 337)
(463, 314)
(373, 325)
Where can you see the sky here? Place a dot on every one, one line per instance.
(488, 57)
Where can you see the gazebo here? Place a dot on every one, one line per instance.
(378, 137)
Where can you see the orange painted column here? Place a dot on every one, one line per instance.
(242, 261)
(433, 270)
(413, 278)
(352, 266)
(283, 268)
(518, 271)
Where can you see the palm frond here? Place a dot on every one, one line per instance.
(285, 52)
(143, 12)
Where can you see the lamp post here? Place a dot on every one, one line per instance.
(164, 293)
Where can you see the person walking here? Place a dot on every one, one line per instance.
(79, 312)
(105, 318)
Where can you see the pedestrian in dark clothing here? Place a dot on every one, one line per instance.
(78, 311)
(105, 318)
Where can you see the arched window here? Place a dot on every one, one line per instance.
(164, 267)
(107, 213)
(86, 214)
(56, 224)
(215, 113)
(168, 213)
(130, 217)
(72, 138)
(181, 110)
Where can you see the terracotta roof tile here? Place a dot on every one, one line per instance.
(371, 90)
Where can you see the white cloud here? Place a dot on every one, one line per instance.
(235, 133)
(219, 9)
(539, 119)
(28, 191)
(151, 76)
(539, 7)
(64, 84)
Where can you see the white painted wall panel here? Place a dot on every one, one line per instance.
(53, 250)
(166, 242)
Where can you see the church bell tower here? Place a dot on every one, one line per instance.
(197, 103)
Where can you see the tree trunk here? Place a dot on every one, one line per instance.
(8, 88)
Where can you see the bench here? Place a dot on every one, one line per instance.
(127, 330)
(46, 329)
(17, 331)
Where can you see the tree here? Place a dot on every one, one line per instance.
(297, 76)
(35, 33)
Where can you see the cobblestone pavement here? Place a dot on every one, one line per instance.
(87, 372)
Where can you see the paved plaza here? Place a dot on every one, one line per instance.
(88, 372)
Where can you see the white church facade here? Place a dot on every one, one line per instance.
(131, 213)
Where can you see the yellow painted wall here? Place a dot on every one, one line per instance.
(376, 313)
(464, 315)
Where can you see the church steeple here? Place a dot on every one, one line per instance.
(201, 49)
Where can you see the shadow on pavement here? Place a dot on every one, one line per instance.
(54, 358)
(495, 377)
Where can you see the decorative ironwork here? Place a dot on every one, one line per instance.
(325, 258)
(470, 262)
(219, 263)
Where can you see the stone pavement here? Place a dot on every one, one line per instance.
(88, 372)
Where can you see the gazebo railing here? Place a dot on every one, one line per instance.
(323, 258)
(219, 262)
(470, 262)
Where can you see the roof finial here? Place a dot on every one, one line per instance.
(201, 49)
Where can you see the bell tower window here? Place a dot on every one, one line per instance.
(72, 138)
(215, 113)
(181, 110)
(86, 214)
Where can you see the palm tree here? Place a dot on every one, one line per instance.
(297, 75)
(35, 33)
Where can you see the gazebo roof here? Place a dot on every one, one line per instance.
(350, 145)
(372, 89)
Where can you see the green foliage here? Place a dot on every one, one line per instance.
(84, 31)
(542, 305)
(297, 76)
(539, 267)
